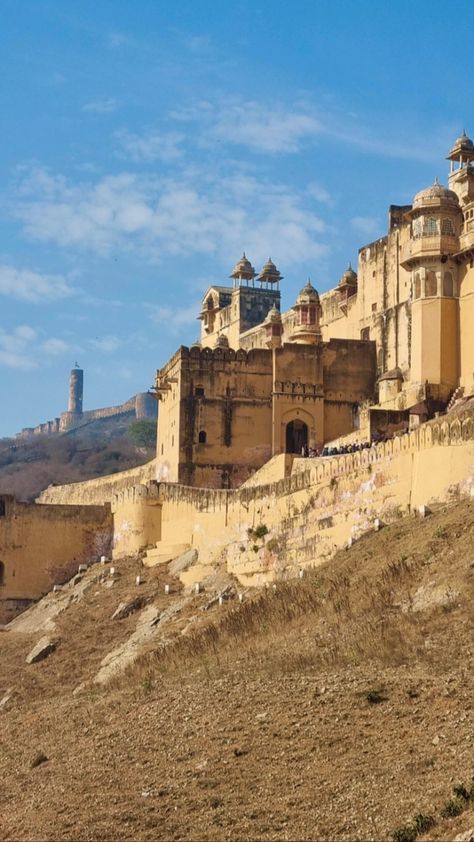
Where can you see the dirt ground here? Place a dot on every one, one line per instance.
(336, 708)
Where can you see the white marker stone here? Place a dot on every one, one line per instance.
(241, 597)
(197, 587)
(103, 559)
(82, 568)
(112, 571)
(138, 580)
(221, 600)
(301, 574)
(167, 589)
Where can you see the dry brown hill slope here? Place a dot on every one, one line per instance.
(100, 448)
(338, 707)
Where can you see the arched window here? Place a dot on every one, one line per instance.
(447, 227)
(202, 437)
(199, 391)
(430, 226)
(448, 284)
(2, 573)
(417, 285)
(209, 303)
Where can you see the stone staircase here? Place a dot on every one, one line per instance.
(457, 394)
(163, 552)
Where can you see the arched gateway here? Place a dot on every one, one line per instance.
(296, 436)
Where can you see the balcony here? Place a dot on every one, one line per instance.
(439, 244)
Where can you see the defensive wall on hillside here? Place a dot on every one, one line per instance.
(100, 490)
(43, 545)
(323, 505)
(140, 407)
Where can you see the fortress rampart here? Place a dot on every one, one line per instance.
(139, 407)
(100, 490)
(321, 506)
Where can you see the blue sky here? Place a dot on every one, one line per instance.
(145, 145)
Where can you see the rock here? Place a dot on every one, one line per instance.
(467, 836)
(6, 698)
(126, 608)
(43, 648)
(435, 740)
(38, 759)
(183, 561)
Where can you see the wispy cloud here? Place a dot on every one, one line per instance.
(367, 225)
(101, 106)
(106, 344)
(152, 146)
(54, 346)
(16, 350)
(204, 212)
(35, 287)
(254, 125)
(172, 319)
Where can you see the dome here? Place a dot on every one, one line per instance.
(270, 273)
(435, 195)
(273, 315)
(308, 295)
(348, 278)
(243, 269)
(464, 146)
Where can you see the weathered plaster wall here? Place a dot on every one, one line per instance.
(319, 508)
(100, 490)
(39, 545)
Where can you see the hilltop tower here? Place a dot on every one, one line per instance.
(76, 390)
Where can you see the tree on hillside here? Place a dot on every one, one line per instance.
(143, 433)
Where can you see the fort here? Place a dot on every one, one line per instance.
(139, 407)
(378, 372)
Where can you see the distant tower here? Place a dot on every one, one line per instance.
(76, 388)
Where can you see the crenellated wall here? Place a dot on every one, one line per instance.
(321, 506)
(100, 490)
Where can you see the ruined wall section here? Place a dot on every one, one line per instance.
(43, 545)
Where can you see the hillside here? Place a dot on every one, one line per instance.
(338, 706)
(100, 448)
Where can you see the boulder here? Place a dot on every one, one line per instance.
(182, 562)
(43, 648)
(126, 608)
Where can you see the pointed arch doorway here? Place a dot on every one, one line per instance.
(296, 436)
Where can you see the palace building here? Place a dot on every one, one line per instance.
(388, 347)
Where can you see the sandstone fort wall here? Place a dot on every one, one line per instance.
(43, 545)
(320, 507)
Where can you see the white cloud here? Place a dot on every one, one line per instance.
(27, 285)
(367, 225)
(154, 146)
(101, 106)
(172, 319)
(318, 193)
(197, 213)
(16, 350)
(260, 128)
(118, 39)
(54, 346)
(106, 344)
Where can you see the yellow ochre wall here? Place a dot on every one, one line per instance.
(40, 545)
(321, 506)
